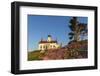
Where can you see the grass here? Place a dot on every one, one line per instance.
(35, 55)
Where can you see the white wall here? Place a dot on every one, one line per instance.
(5, 41)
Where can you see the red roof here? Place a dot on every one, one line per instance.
(48, 42)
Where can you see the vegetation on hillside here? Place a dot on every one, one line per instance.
(70, 51)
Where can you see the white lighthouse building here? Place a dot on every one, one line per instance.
(48, 44)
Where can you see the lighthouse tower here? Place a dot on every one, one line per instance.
(49, 38)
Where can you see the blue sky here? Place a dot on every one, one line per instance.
(40, 26)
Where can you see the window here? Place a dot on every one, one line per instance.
(41, 46)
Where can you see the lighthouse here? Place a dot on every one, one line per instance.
(49, 38)
(45, 45)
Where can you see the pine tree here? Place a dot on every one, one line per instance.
(77, 29)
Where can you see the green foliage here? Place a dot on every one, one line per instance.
(35, 55)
